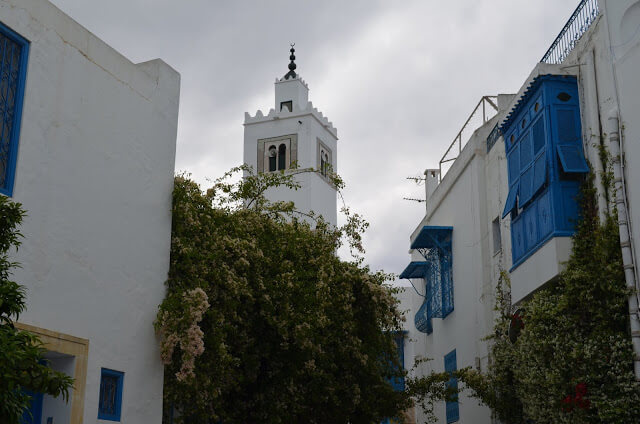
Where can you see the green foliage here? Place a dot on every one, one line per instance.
(573, 360)
(262, 322)
(20, 352)
(429, 389)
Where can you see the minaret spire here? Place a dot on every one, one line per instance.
(292, 64)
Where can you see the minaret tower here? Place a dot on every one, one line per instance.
(294, 132)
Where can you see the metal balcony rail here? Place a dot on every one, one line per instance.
(582, 18)
(487, 114)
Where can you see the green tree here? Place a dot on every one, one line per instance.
(21, 353)
(262, 322)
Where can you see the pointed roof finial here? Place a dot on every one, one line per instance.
(292, 65)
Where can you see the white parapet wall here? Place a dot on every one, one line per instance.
(95, 172)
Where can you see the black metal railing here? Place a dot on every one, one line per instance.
(579, 22)
(488, 107)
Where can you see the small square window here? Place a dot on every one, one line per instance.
(110, 401)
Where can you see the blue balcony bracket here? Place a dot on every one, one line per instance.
(435, 244)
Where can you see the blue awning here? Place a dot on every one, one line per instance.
(431, 236)
(415, 269)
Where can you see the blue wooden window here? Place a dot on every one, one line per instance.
(452, 408)
(110, 401)
(545, 160)
(14, 51)
(398, 383)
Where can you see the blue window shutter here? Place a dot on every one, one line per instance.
(539, 172)
(526, 186)
(110, 399)
(526, 150)
(398, 384)
(572, 159)
(537, 132)
(567, 128)
(512, 197)
(452, 408)
(514, 164)
(14, 51)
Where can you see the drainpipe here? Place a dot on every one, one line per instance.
(625, 237)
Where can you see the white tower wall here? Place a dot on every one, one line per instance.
(306, 133)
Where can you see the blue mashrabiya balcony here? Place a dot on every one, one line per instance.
(434, 244)
(546, 164)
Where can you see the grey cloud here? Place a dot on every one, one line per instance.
(396, 78)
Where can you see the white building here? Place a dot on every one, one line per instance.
(88, 148)
(508, 200)
(295, 134)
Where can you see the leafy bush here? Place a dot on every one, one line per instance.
(262, 322)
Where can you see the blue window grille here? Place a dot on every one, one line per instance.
(452, 408)
(110, 401)
(422, 319)
(14, 51)
(434, 244)
(545, 161)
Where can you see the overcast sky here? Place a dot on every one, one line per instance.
(396, 78)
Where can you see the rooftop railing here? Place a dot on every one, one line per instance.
(579, 22)
(488, 106)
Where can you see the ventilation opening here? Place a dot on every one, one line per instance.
(564, 97)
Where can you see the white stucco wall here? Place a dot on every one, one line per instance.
(95, 173)
(623, 24)
(465, 200)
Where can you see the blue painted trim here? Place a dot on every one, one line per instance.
(17, 117)
(120, 376)
(452, 409)
(539, 245)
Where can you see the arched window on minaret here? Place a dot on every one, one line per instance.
(323, 164)
(272, 158)
(282, 156)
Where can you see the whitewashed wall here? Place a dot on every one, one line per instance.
(95, 173)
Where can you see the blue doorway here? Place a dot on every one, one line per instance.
(33, 415)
